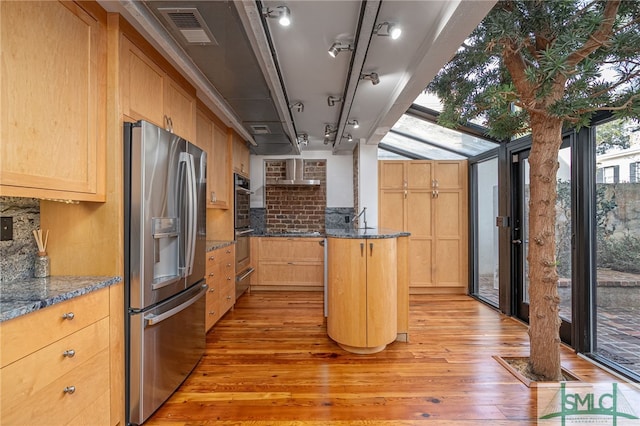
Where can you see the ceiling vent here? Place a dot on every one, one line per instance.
(260, 129)
(188, 22)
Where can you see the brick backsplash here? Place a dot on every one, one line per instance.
(296, 208)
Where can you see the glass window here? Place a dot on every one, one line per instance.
(617, 287)
(439, 136)
(421, 149)
(486, 239)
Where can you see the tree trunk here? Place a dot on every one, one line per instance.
(544, 317)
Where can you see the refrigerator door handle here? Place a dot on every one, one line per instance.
(151, 319)
(192, 212)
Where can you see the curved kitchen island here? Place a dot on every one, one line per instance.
(366, 294)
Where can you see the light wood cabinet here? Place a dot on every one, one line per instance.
(429, 200)
(220, 275)
(362, 293)
(295, 263)
(212, 137)
(149, 93)
(60, 373)
(240, 155)
(53, 88)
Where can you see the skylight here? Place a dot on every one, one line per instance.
(426, 132)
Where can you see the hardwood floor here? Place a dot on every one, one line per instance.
(270, 362)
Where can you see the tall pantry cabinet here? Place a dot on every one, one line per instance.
(429, 200)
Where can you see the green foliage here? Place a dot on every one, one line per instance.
(612, 135)
(620, 254)
(562, 81)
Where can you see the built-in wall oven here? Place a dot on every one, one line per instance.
(242, 225)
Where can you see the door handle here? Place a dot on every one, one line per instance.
(370, 249)
(361, 249)
(516, 241)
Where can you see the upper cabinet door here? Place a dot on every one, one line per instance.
(180, 109)
(392, 175)
(142, 85)
(148, 93)
(213, 139)
(240, 156)
(53, 92)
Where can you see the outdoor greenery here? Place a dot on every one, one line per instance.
(544, 66)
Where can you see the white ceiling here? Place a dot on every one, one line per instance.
(301, 70)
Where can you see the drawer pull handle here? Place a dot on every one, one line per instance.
(211, 258)
(228, 278)
(211, 274)
(212, 312)
(228, 265)
(228, 297)
(69, 389)
(211, 290)
(228, 251)
(68, 316)
(69, 353)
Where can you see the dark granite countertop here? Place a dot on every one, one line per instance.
(216, 244)
(373, 233)
(338, 233)
(310, 234)
(21, 297)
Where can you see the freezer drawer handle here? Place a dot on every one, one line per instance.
(69, 353)
(69, 389)
(68, 316)
(155, 319)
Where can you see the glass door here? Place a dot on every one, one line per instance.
(520, 236)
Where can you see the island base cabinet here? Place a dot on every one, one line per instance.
(362, 293)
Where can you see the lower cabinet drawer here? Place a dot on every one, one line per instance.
(302, 274)
(50, 324)
(62, 400)
(227, 296)
(212, 310)
(29, 375)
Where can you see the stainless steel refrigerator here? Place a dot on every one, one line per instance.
(165, 243)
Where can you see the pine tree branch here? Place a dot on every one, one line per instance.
(582, 111)
(599, 37)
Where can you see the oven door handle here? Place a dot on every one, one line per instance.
(243, 232)
(245, 275)
(243, 190)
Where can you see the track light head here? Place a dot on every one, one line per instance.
(372, 76)
(299, 106)
(349, 137)
(281, 13)
(338, 47)
(387, 29)
(328, 131)
(353, 123)
(331, 100)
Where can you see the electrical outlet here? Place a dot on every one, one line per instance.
(6, 228)
(347, 219)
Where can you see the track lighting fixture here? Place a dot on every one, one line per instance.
(373, 76)
(328, 130)
(349, 137)
(299, 106)
(387, 29)
(331, 100)
(338, 47)
(303, 139)
(282, 13)
(353, 123)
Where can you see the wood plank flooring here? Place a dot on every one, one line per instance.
(270, 362)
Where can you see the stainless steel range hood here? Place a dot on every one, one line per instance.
(294, 175)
